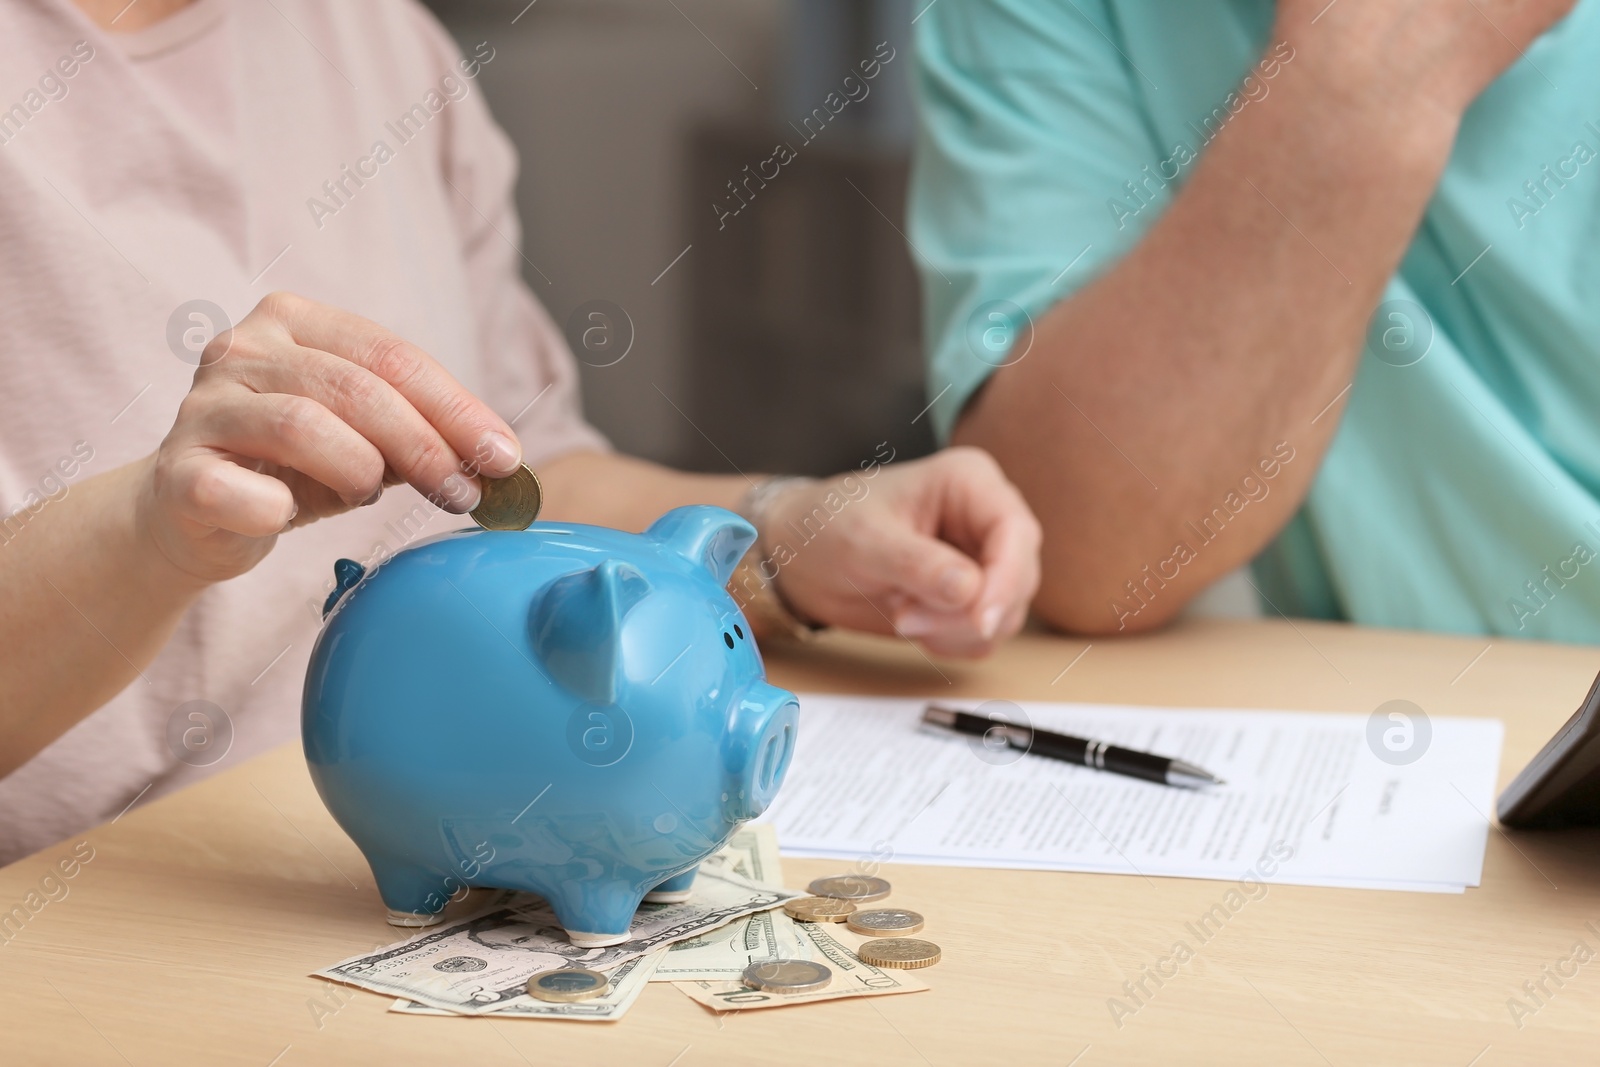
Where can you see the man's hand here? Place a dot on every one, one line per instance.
(300, 412)
(942, 550)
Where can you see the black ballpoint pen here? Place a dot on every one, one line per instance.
(1095, 754)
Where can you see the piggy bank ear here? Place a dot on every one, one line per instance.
(577, 626)
(715, 538)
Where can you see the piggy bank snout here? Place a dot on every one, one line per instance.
(760, 742)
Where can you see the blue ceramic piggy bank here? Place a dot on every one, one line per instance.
(568, 710)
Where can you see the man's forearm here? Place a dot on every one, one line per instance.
(88, 603)
(1224, 341)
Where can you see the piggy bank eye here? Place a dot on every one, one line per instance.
(727, 638)
(738, 631)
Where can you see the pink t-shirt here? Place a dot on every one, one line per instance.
(337, 150)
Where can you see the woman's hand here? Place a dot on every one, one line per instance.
(942, 550)
(300, 412)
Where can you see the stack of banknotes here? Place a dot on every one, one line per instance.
(480, 964)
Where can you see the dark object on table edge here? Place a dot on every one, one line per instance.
(1561, 785)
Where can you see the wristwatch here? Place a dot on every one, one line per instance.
(754, 584)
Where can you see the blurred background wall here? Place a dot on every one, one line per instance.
(734, 303)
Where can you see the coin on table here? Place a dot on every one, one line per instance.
(509, 503)
(818, 909)
(787, 976)
(856, 887)
(907, 953)
(568, 984)
(882, 921)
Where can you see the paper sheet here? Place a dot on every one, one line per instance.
(1307, 795)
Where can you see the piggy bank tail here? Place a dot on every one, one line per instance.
(347, 574)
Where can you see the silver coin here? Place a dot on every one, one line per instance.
(855, 887)
(568, 984)
(884, 921)
(787, 976)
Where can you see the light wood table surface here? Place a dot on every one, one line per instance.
(189, 936)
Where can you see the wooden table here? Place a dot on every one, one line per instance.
(189, 935)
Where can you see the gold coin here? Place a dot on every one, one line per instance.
(856, 887)
(907, 953)
(787, 976)
(510, 503)
(883, 921)
(818, 909)
(567, 985)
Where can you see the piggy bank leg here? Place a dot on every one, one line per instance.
(674, 890)
(414, 896)
(595, 914)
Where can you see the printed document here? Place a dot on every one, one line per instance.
(1333, 793)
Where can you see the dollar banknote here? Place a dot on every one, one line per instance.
(752, 852)
(627, 982)
(474, 965)
(852, 977)
(722, 955)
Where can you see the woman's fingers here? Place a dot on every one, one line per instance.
(212, 491)
(961, 549)
(933, 574)
(304, 411)
(410, 445)
(466, 424)
(942, 550)
(984, 515)
(1010, 556)
(957, 633)
(296, 432)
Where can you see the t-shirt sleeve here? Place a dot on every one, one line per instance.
(1032, 120)
(528, 373)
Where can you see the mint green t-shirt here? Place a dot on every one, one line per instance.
(1460, 492)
